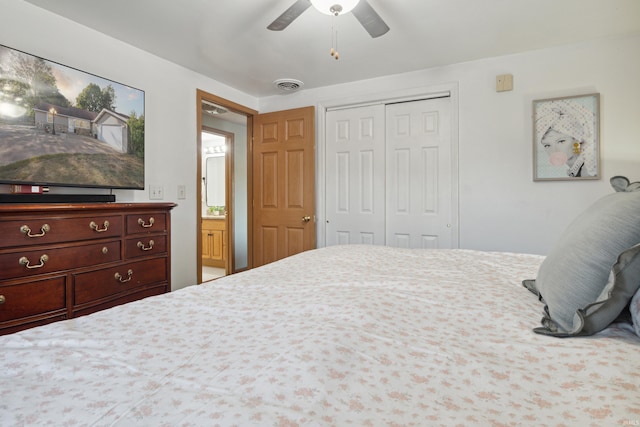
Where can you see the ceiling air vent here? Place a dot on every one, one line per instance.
(214, 109)
(288, 85)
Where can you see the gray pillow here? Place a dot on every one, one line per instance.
(593, 271)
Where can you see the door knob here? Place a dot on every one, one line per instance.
(306, 218)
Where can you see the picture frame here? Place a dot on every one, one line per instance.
(566, 138)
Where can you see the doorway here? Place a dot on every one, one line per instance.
(245, 189)
(215, 180)
(223, 233)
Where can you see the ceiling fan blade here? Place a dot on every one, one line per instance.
(289, 15)
(370, 20)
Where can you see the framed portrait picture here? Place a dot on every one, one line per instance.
(566, 138)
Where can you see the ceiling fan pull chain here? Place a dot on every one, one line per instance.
(334, 38)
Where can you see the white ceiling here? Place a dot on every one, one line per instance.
(228, 41)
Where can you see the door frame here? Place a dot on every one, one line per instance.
(403, 95)
(249, 113)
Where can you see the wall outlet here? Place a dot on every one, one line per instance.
(156, 192)
(182, 192)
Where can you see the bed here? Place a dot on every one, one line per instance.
(338, 336)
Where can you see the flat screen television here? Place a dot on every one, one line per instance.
(60, 126)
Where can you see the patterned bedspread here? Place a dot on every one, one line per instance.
(339, 336)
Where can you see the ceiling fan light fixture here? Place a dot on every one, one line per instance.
(334, 7)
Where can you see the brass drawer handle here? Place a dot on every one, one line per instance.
(142, 222)
(43, 230)
(95, 228)
(146, 248)
(2, 299)
(121, 279)
(25, 261)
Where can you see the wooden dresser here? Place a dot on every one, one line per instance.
(59, 261)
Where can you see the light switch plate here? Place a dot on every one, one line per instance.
(155, 192)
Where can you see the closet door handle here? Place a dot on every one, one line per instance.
(306, 218)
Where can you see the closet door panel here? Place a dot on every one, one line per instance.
(419, 168)
(400, 182)
(355, 176)
(429, 186)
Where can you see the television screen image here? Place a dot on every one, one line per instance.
(60, 126)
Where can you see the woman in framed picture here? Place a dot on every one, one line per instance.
(565, 128)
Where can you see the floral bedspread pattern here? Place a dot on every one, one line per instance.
(340, 336)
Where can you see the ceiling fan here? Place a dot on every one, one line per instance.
(361, 9)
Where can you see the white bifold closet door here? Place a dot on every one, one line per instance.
(355, 176)
(389, 175)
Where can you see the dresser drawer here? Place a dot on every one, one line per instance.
(146, 223)
(26, 300)
(145, 246)
(42, 231)
(24, 263)
(109, 282)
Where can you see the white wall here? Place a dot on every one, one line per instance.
(501, 208)
(170, 109)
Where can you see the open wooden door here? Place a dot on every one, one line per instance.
(283, 184)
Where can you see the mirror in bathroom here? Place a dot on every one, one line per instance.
(215, 184)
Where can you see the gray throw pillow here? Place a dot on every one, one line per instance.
(593, 271)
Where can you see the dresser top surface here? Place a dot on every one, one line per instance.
(13, 208)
